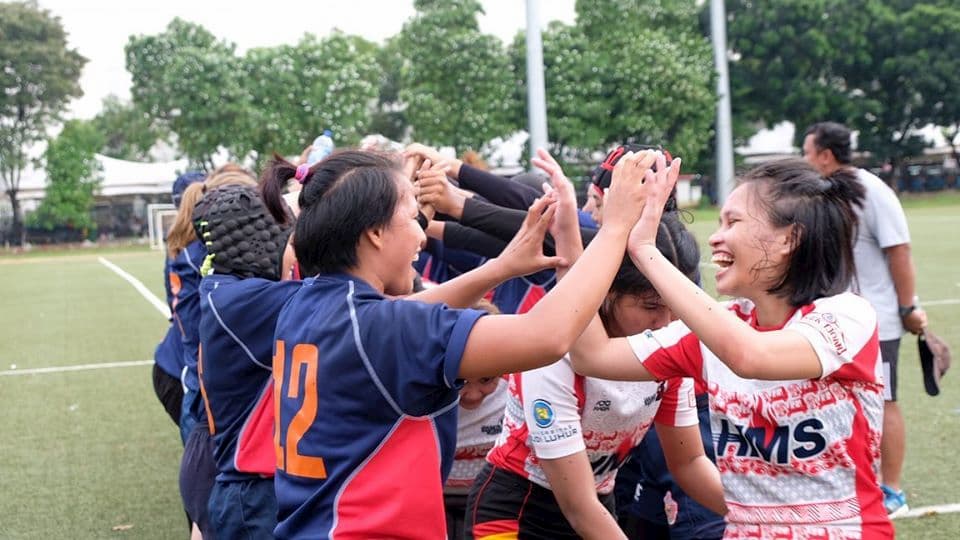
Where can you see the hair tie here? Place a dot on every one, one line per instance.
(302, 172)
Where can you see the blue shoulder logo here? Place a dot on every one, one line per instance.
(542, 413)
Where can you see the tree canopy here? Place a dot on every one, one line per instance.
(40, 76)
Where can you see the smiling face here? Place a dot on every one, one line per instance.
(751, 253)
(402, 239)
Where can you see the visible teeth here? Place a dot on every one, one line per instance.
(721, 260)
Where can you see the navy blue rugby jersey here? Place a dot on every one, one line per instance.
(366, 394)
(237, 321)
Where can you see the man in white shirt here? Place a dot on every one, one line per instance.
(885, 277)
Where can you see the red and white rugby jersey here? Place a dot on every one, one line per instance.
(798, 459)
(553, 412)
(477, 430)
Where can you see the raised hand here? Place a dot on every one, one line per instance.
(658, 186)
(565, 228)
(524, 254)
(625, 199)
(433, 189)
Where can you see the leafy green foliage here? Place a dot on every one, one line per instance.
(627, 72)
(457, 83)
(128, 132)
(884, 67)
(190, 81)
(72, 178)
(298, 91)
(40, 76)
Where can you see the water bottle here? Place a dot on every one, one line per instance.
(322, 147)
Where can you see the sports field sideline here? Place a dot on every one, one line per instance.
(89, 453)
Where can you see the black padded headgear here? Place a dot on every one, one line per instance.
(241, 236)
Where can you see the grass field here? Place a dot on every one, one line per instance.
(84, 452)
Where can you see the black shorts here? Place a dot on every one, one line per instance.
(197, 473)
(455, 507)
(890, 355)
(169, 391)
(503, 502)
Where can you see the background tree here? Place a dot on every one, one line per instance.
(912, 79)
(72, 178)
(627, 72)
(191, 82)
(299, 91)
(40, 76)
(457, 83)
(389, 117)
(128, 132)
(884, 67)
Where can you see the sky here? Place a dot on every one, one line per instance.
(99, 29)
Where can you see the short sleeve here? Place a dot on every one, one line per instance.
(890, 222)
(842, 330)
(551, 412)
(678, 407)
(672, 351)
(418, 359)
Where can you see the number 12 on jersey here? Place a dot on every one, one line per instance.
(304, 358)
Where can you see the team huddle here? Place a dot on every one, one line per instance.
(400, 345)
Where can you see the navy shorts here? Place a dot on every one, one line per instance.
(197, 472)
(644, 481)
(244, 508)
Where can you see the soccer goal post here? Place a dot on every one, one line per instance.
(161, 219)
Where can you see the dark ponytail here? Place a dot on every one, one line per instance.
(274, 178)
(822, 212)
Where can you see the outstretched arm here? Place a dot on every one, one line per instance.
(502, 343)
(521, 257)
(777, 355)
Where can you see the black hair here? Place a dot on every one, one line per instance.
(821, 211)
(676, 243)
(833, 137)
(343, 195)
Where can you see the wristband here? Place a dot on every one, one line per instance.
(907, 310)
(422, 220)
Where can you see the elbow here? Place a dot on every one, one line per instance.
(744, 362)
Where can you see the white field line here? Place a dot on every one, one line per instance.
(82, 367)
(945, 302)
(931, 510)
(140, 287)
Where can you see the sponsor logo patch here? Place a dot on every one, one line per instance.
(542, 413)
(826, 324)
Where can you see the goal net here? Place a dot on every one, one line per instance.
(161, 219)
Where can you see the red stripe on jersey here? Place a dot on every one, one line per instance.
(580, 391)
(513, 454)
(496, 530)
(864, 365)
(534, 294)
(864, 447)
(682, 359)
(669, 402)
(408, 462)
(255, 453)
